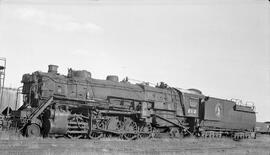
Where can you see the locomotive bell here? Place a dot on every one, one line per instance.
(52, 68)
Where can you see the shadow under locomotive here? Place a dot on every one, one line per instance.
(78, 106)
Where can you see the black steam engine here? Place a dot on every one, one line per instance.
(78, 106)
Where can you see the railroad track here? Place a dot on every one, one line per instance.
(156, 146)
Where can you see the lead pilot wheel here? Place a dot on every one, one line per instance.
(33, 130)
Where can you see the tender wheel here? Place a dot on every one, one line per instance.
(203, 134)
(253, 135)
(198, 134)
(33, 130)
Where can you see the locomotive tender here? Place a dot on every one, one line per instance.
(78, 106)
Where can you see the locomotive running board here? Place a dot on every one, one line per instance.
(179, 125)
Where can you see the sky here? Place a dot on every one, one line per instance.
(219, 47)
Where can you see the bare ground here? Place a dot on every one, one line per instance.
(14, 145)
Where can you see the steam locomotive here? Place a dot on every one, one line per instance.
(78, 106)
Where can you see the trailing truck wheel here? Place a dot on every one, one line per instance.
(33, 130)
(253, 135)
(174, 133)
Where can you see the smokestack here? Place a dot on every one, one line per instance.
(52, 69)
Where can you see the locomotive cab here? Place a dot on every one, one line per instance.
(192, 102)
